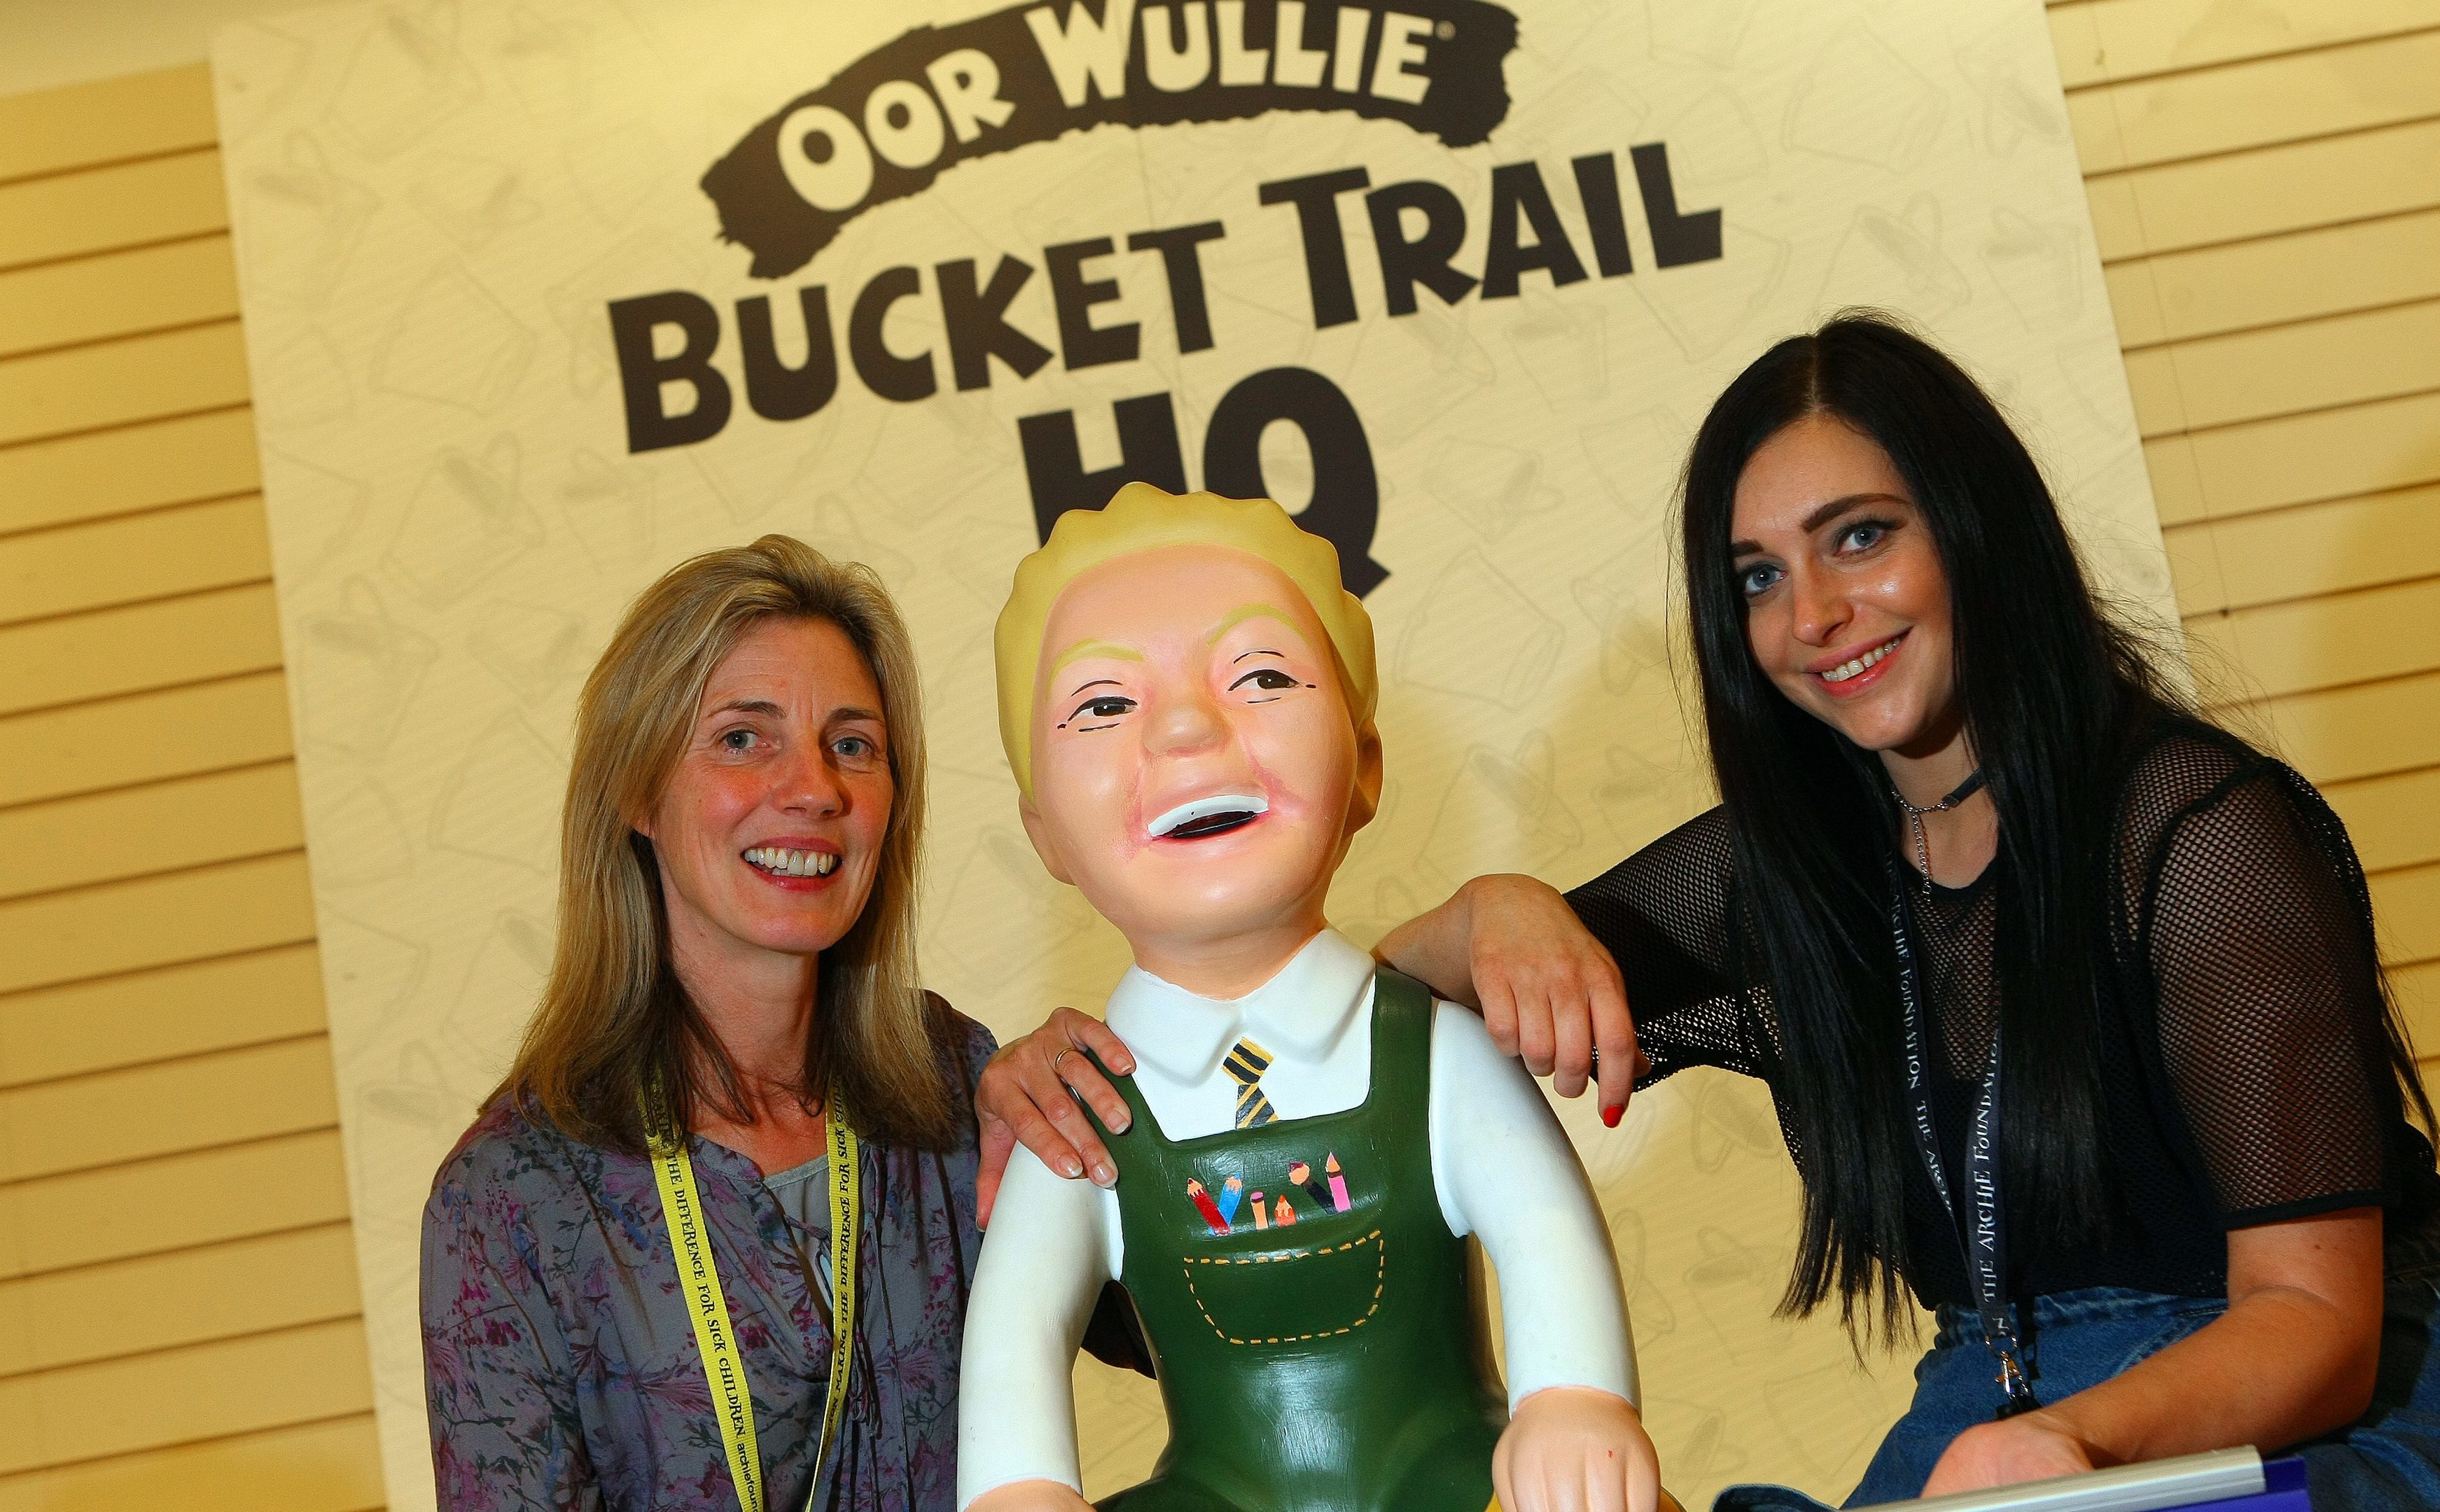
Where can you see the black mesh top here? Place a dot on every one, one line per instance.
(2246, 1080)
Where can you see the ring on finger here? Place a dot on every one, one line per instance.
(1072, 1093)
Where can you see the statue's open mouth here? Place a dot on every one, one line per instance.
(1215, 815)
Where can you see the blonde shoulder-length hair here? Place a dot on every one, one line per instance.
(615, 1022)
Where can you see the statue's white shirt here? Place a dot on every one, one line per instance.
(1502, 1170)
(1314, 1016)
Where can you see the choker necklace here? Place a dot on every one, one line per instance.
(1967, 789)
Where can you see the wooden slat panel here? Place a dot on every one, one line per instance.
(2416, 991)
(2297, 459)
(2317, 548)
(157, 1015)
(158, 200)
(166, 1301)
(130, 559)
(325, 1467)
(2266, 192)
(2256, 104)
(213, 911)
(112, 651)
(160, 826)
(2395, 821)
(114, 1116)
(2314, 365)
(2098, 41)
(241, 1385)
(200, 1197)
(139, 115)
(2074, 37)
(207, 727)
(2183, 295)
(117, 382)
(142, 467)
(2356, 732)
(117, 294)
(2406, 907)
(2324, 642)
(110, 1082)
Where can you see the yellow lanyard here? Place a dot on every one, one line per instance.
(715, 1340)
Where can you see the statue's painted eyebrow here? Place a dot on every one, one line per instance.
(1245, 612)
(1094, 683)
(1077, 652)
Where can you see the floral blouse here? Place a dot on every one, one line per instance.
(560, 1363)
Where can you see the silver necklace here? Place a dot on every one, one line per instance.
(1967, 789)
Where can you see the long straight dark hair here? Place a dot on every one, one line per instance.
(2053, 693)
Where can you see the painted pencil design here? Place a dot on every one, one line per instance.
(1261, 1219)
(1233, 1192)
(1338, 1183)
(1204, 1204)
(1285, 1215)
(1301, 1174)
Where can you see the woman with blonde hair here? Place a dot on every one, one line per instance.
(709, 1243)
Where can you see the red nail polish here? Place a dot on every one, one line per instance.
(1611, 1113)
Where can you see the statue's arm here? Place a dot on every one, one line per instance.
(1507, 1174)
(1044, 1260)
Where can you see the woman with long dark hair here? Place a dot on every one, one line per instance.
(2068, 999)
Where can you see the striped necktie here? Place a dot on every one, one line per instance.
(1245, 1064)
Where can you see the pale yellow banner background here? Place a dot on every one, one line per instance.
(434, 205)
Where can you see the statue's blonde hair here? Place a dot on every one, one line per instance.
(1144, 518)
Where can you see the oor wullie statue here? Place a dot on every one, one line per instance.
(1186, 695)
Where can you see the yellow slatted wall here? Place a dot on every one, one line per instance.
(2266, 186)
(173, 1235)
(179, 1323)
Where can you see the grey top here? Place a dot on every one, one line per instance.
(560, 1359)
(804, 1199)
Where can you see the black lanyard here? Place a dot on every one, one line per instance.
(1986, 1248)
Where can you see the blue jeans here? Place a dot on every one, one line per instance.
(2388, 1458)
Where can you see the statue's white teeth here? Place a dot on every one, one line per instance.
(1208, 816)
(780, 861)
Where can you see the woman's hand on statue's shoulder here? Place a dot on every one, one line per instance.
(1550, 992)
(2030, 1448)
(1029, 1496)
(1572, 1448)
(1028, 1095)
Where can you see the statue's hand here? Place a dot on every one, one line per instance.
(1029, 1496)
(1571, 1449)
(1025, 1098)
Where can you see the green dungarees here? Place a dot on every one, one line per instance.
(1339, 1363)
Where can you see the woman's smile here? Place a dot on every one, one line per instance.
(799, 866)
(1849, 676)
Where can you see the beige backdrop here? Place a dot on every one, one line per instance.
(433, 204)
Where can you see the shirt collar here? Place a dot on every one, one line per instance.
(1305, 1007)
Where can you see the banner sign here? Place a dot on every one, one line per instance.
(1027, 74)
(543, 298)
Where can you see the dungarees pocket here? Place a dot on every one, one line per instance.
(1291, 1295)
